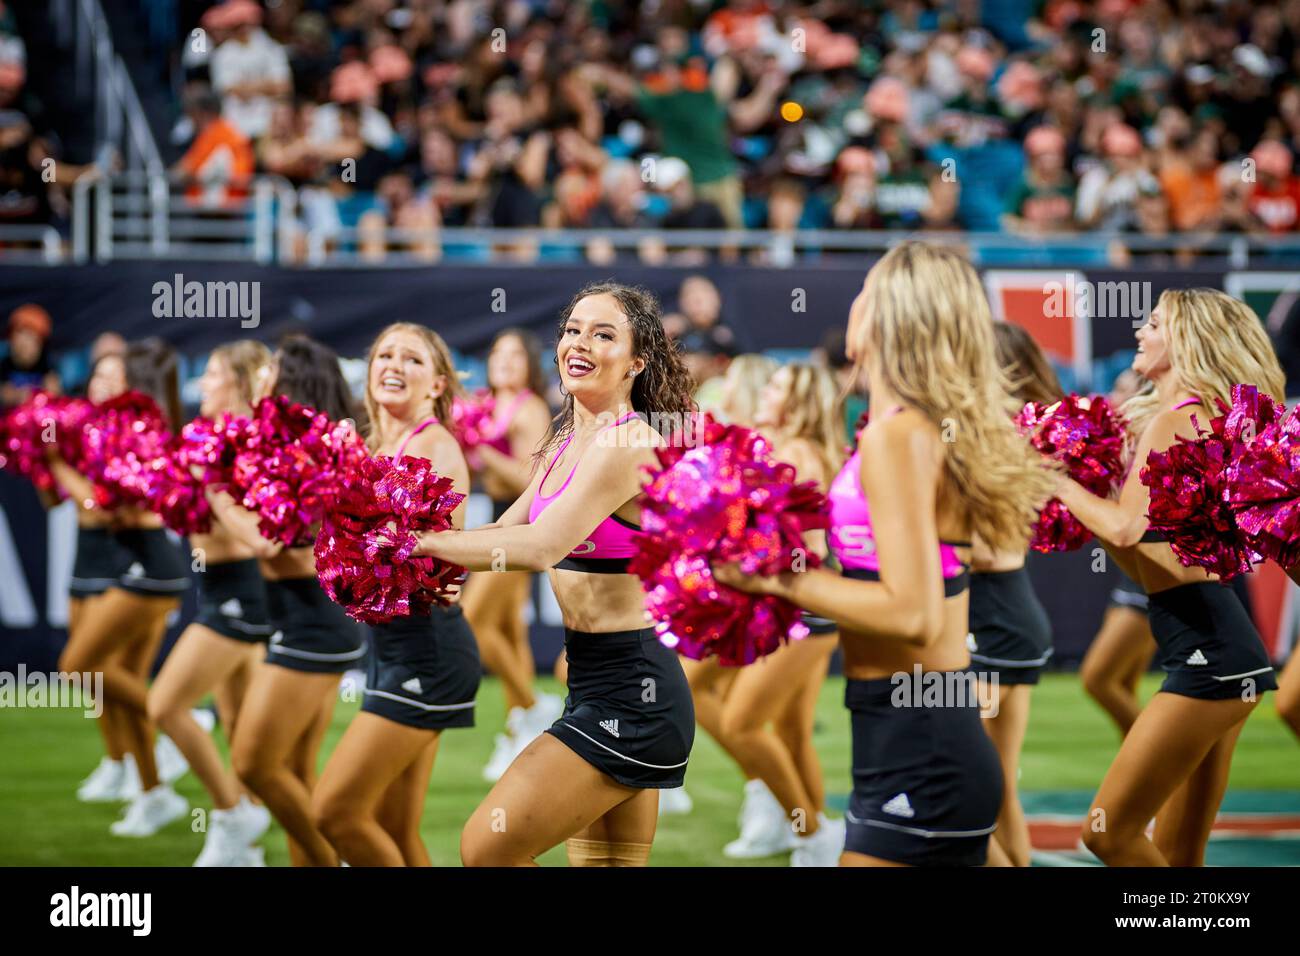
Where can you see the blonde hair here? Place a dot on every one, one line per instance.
(1214, 342)
(812, 411)
(928, 326)
(442, 365)
(245, 359)
(745, 378)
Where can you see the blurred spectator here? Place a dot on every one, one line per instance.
(1108, 192)
(249, 69)
(1274, 198)
(220, 161)
(106, 343)
(1190, 180)
(27, 365)
(1044, 200)
(700, 304)
(621, 206)
(400, 207)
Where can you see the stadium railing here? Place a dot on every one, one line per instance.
(144, 214)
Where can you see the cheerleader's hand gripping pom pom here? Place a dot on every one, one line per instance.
(1195, 496)
(721, 502)
(289, 462)
(368, 535)
(1083, 433)
(31, 431)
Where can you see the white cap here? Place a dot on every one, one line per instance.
(670, 171)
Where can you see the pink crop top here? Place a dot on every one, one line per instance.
(608, 548)
(853, 544)
(401, 449)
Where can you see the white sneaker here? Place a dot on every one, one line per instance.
(204, 718)
(104, 782)
(545, 711)
(248, 821)
(502, 755)
(130, 788)
(231, 831)
(172, 764)
(764, 826)
(252, 856)
(823, 848)
(675, 802)
(150, 812)
(219, 846)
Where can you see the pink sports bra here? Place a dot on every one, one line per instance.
(854, 545)
(401, 449)
(608, 548)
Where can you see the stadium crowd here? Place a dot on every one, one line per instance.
(1146, 117)
(1129, 116)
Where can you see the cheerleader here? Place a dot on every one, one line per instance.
(220, 649)
(424, 669)
(120, 632)
(494, 602)
(1173, 764)
(940, 462)
(768, 711)
(98, 564)
(288, 704)
(628, 724)
(1010, 638)
(1123, 648)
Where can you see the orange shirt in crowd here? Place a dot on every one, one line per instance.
(219, 155)
(1193, 196)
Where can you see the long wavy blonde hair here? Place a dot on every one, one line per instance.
(1214, 342)
(439, 407)
(927, 331)
(813, 411)
(745, 378)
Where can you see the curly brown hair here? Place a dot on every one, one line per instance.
(663, 389)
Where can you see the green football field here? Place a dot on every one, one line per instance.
(45, 753)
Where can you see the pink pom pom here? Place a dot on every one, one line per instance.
(722, 501)
(202, 454)
(125, 450)
(27, 432)
(1084, 434)
(474, 424)
(386, 500)
(289, 462)
(1191, 498)
(1264, 481)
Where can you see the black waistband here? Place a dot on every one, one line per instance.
(951, 586)
(596, 639)
(594, 565)
(245, 569)
(1152, 536)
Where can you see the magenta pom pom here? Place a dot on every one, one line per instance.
(202, 454)
(28, 431)
(1084, 434)
(1264, 484)
(386, 500)
(124, 450)
(1192, 493)
(721, 501)
(289, 461)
